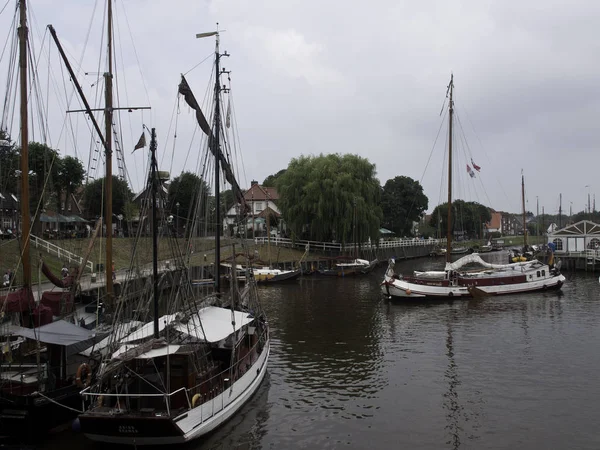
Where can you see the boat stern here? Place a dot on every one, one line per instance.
(121, 428)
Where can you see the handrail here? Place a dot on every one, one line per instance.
(319, 245)
(162, 394)
(58, 251)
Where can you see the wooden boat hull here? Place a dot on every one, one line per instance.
(28, 418)
(130, 429)
(286, 275)
(408, 289)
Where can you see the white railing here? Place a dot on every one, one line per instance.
(60, 253)
(317, 245)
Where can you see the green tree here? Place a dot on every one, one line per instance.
(467, 218)
(271, 180)
(70, 176)
(318, 194)
(44, 167)
(94, 191)
(185, 190)
(402, 202)
(9, 164)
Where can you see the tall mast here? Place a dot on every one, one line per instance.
(354, 230)
(216, 134)
(523, 205)
(154, 189)
(25, 214)
(449, 229)
(559, 210)
(108, 115)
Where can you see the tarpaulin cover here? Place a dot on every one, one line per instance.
(53, 300)
(18, 301)
(42, 315)
(61, 332)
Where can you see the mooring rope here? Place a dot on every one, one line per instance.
(57, 403)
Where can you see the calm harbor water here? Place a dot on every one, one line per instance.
(350, 369)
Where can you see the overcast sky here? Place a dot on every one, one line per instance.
(368, 78)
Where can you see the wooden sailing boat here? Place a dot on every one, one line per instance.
(454, 281)
(41, 373)
(184, 373)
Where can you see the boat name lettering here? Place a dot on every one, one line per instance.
(127, 429)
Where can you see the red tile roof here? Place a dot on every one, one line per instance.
(257, 192)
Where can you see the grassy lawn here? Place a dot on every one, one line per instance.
(123, 249)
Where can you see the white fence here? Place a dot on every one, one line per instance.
(60, 253)
(336, 246)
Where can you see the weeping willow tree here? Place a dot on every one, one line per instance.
(319, 195)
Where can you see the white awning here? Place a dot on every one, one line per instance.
(152, 353)
(216, 323)
(148, 329)
(117, 333)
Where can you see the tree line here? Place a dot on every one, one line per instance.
(330, 197)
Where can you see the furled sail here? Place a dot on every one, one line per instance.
(186, 91)
(66, 282)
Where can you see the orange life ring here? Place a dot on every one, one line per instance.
(82, 370)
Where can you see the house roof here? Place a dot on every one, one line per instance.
(581, 228)
(147, 190)
(258, 193)
(268, 210)
(495, 221)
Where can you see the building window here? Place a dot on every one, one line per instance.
(538, 273)
(559, 244)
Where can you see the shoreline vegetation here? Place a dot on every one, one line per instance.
(203, 252)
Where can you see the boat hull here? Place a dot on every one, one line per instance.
(192, 424)
(399, 288)
(28, 418)
(287, 275)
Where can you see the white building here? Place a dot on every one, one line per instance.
(577, 237)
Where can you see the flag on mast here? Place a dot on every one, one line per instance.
(470, 171)
(475, 166)
(141, 142)
(228, 115)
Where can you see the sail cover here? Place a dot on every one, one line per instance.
(213, 324)
(474, 258)
(186, 91)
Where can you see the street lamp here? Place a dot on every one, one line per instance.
(177, 219)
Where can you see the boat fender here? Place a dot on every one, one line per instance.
(408, 292)
(100, 401)
(195, 400)
(84, 376)
(544, 287)
(451, 294)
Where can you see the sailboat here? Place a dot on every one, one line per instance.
(186, 372)
(267, 274)
(41, 372)
(454, 280)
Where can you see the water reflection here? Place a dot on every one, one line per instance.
(351, 369)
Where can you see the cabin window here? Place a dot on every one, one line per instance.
(559, 243)
(538, 273)
(543, 273)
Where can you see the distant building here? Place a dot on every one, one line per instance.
(262, 201)
(9, 212)
(577, 237)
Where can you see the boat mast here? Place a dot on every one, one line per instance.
(216, 135)
(449, 229)
(108, 115)
(524, 214)
(354, 238)
(154, 189)
(25, 214)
